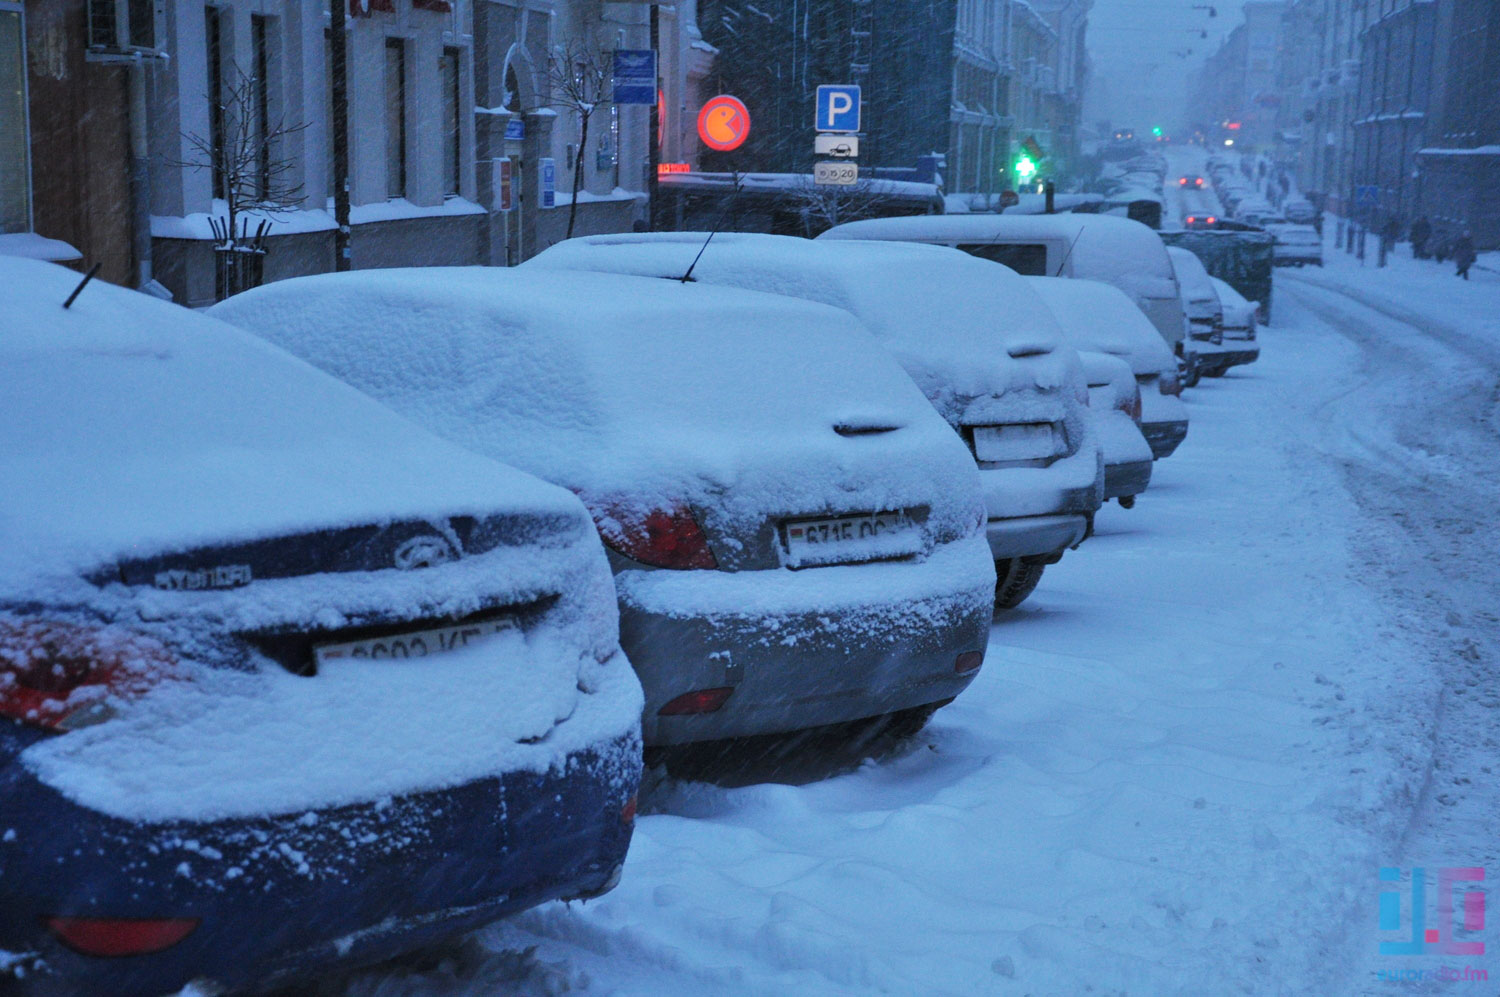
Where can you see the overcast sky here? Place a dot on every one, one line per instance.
(1145, 52)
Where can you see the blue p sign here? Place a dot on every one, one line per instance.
(838, 108)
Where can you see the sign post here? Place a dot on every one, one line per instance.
(837, 121)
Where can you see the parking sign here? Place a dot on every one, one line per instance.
(838, 108)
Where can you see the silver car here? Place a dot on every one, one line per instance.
(976, 339)
(797, 539)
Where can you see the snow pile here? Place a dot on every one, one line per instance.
(1096, 316)
(136, 428)
(636, 393)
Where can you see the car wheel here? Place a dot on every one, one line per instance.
(1126, 501)
(1015, 579)
(1216, 372)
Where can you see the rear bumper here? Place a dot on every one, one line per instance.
(1035, 536)
(1164, 437)
(1126, 479)
(827, 645)
(1229, 354)
(285, 896)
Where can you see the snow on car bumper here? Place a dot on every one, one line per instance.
(282, 896)
(804, 648)
(1164, 437)
(1042, 511)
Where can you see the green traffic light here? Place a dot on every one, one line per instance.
(1156, 131)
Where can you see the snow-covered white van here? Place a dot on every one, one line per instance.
(1114, 250)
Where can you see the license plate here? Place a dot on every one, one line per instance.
(1020, 441)
(850, 539)
(417, 644)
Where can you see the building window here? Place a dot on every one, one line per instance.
(395, 117)
(215, 42)
(15, 144)
(452, 132)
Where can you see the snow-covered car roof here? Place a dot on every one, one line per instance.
(630, 390)
(1102, 247)
(1196, 285)
(964, 328)
(1100, 317)
(134, 425)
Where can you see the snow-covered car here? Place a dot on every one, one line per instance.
(1240, 323)
(1299, 210)
(1115, 408)
(1298, 245)
(797, 539)
(1098, 317)
(1114, 250)
(1205, 315)
(285, 681)
(976, 339)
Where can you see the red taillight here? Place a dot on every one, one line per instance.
(115, 937)
(699, 701)
(1131, 404)
(57, 675)
(1211, 219)
(968, 661)
(1171, 383)
(627, 812)
(661, 538)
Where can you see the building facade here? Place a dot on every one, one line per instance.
(1459, 168)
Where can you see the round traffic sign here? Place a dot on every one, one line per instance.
(724, 123)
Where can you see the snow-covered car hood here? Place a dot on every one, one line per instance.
(972, 335)
(1238, 313)
(636, 393)
(1099, 317)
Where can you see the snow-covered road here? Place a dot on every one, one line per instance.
(1187, 755)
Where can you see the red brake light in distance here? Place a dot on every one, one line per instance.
(662, 538)
(112, 938)
(696, 702)
(627, 812)
(56, 675)
(968, 661)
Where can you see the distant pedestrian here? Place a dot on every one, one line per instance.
(1463, 253)
(1421, 231)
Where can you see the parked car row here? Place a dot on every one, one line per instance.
(335, 620)
(1298, 241)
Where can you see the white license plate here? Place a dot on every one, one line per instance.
(1020, 441)
(417, 644)
(849, 539)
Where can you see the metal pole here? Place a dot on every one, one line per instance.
(653, 143)
(339, 71)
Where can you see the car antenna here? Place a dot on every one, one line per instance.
(688, 277)
(82, 284)
(1064, 261)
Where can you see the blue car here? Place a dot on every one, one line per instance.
(285, 682)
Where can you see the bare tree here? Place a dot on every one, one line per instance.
(245, 154)
(579, 82)
(825, 205)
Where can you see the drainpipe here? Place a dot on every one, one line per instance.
(140, 183)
